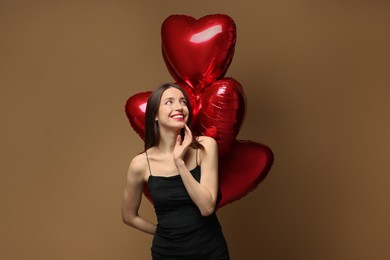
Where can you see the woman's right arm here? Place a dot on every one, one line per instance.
(132, 197)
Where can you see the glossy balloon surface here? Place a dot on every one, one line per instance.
(221, 112)
(241, 170)
(198, 52)
(135, 111)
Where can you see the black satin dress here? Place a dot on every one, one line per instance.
(182, 232)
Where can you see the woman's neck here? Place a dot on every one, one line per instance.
(167, 141)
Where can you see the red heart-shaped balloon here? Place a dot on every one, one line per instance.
(221, 112)
(135, 111)
(198, 52)
(241, 170)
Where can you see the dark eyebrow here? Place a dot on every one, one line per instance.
(168, 98)
(171, 98)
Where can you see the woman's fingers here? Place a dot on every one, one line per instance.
(188, 134)
(178, 140)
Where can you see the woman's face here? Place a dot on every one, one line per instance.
(173, 110)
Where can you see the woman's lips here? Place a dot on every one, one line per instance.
(179, 117)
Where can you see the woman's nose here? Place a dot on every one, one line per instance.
(178, 106)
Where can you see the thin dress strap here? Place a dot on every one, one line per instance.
(196, 157)
(147, 158)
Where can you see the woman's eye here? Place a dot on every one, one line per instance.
(168, 102)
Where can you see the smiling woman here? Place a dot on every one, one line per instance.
(181, 173)
(174, 104)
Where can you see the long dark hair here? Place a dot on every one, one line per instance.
(152, 134)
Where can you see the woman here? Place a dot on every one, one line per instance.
(182, 176)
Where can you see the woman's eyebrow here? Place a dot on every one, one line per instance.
(168, 98)
(172, 98)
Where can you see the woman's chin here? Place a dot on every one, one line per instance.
(180, 124)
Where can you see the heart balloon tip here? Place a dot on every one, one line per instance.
(256, 162)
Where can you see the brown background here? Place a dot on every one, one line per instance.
(316, 77)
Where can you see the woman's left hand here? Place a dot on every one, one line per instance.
(181, 146)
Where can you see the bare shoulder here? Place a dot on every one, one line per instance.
(208, 143)
(208, 155)
(137, 166)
